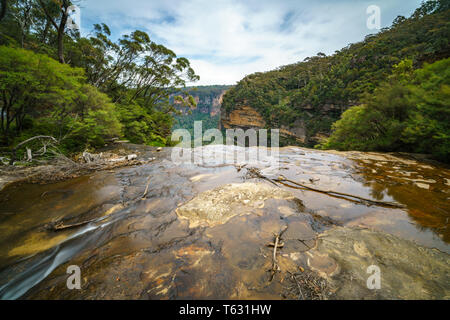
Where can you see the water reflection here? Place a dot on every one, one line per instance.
(139, 248)
(422, 188)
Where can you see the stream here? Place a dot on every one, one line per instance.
(201, 230)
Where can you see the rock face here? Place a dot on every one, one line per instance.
(217, 206)
(407, 271)
(216, 103)
(209, 104)
(205, 231)
(246, 117)
(208, 101)
(297, 131)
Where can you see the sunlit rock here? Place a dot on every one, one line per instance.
(217, 206)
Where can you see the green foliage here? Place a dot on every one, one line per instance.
(43, 96)
(409, 112)
(107, 88)
(320, 88)
(31, 85)
(204, 110)
(428, 127)
(142, 127)
(187, 122)
(96, 120)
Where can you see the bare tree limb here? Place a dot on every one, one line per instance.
(64, 5)
(14, 150)
(255, 173)
(47, 14)
(283, 180)
(276, 245)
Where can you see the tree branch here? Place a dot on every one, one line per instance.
(47, 14)
(13, 153)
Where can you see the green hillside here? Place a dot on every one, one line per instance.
(206, 110)
(320, 88)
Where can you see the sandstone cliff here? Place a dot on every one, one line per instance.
(208, 99)
(246, 117)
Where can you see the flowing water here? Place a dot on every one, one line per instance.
(201, 231)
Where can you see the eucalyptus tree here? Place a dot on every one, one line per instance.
(23, 13)
(134, 68)
(57, 14)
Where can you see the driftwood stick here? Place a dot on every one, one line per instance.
(277, 238)
(59, 226)
(298, 284)
(14, 150)
(146, 188)
(275, 266)
(342, 195)
(279, 245)
(255, 173)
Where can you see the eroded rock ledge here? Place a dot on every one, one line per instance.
(219, 205)
(246, 117)
(243, 117)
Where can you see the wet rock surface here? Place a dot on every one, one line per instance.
(201, 231)
(407, 271)
(219, 205)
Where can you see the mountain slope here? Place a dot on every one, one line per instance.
(208, 100)
(304, 99)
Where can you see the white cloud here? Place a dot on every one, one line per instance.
(225, 40)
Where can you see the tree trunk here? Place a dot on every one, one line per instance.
(62, 26)
(59, 28)
(45, 32)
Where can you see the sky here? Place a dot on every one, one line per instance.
(225, 40)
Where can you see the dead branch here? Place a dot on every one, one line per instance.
(14, 150)
(255, 173)
(59, 225)
(341, 195)
(298, 284)
(307, 285)
(62, 156)
(279, 245)
(276, 244)
(146, 188)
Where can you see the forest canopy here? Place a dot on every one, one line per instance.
(376, 75)
(388, 92)
(409, 112)
(83, 90)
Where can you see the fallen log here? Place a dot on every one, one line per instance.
(341, 195)
(255, 173)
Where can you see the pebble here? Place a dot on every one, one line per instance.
(423, 185)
